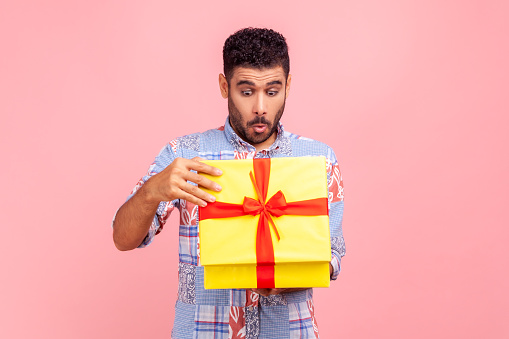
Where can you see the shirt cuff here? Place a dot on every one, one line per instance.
(336, 265)
(152, 231)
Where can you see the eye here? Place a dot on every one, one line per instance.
(247, 92)
(272, 93)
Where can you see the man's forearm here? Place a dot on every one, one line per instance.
(133, 220)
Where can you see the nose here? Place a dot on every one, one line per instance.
(260, 105)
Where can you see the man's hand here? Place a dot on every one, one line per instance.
(134, 218)
(171, 183)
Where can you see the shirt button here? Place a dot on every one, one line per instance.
(250, 308)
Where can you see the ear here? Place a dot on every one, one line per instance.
(288, 83)
(223, 86)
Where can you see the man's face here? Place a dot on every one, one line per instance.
(256, 101)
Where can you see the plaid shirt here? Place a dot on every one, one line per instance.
(236, 313)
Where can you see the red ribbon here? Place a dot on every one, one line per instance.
(276, 206)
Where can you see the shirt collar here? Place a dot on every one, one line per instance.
(241, 145)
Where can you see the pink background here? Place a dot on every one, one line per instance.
(412, 95)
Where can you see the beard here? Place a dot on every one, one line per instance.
(243, 128)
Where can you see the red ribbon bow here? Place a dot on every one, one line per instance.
(276, 206)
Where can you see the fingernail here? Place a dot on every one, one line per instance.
(218, 188)
(212, 198)
(219, 172)
(203, 204)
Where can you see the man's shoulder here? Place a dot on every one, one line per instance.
(304, 146)
(213, 132)
(302, 139)
(193, 141)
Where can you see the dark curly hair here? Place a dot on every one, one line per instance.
(256, 48)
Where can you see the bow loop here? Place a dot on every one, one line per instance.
(252, 206)
(276, 204)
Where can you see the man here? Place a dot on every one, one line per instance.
(256, 82)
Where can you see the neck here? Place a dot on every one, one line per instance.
(266, 144)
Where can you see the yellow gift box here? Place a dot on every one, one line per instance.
(269, 226)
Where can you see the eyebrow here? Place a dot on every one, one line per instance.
(250, 83)
(275, 82)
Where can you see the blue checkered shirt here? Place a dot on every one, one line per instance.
(236, 313)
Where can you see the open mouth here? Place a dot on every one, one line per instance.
(259, 128)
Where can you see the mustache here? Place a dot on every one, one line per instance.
(258, 120)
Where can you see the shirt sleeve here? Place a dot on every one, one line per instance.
(163, 159)
(336, 195)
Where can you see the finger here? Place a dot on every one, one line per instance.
(202, 181)
(200, 167)
(193, 199)
(197, 192)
